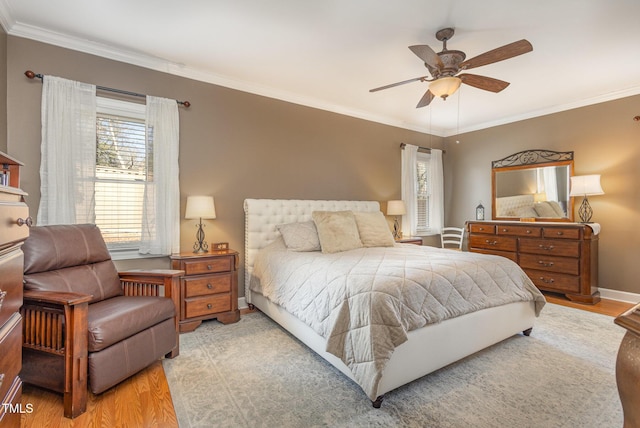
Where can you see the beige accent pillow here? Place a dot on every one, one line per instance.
(373, 229)
(301, 236)
(544, 210)
(337, 230)
(557, 208)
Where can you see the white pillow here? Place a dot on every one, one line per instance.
(544, 210)
(337, 230)
(373, 229)
(300, 236)
(557, 208)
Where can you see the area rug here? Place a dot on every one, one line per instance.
(254, 374)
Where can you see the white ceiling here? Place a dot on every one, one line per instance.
(329, 53)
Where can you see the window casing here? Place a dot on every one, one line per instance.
(423, 193)
(123, 167)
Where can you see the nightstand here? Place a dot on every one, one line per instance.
(209, 287)
(416, 240)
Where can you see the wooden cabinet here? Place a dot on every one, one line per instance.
(558, 257)
(14, 219)
(209, 287)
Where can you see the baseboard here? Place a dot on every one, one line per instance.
(242, 303)
(621, 296)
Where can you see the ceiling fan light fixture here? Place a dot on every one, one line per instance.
(445, 86)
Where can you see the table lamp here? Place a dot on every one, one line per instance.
(585, 185)
(396, 208)
(199, 207)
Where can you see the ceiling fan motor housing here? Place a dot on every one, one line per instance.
(451, 61)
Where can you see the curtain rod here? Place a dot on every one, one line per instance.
(30, 74)
(421, 149)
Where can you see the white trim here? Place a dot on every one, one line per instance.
(620, 296)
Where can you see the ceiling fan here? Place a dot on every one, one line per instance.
(444, 67)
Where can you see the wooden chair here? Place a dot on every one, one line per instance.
(452, 237)
(86, 324)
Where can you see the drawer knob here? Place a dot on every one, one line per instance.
(209, 286)
(546, 281)
(545, 264)
(528, 231)
(209, 267)
(559, 233)
(505, 230)
(546, 247)
(209, 306)
(491, 242)
(3, 294)
(28, 221)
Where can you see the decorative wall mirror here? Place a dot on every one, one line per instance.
(532, 185)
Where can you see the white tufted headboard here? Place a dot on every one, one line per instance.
(509, 206)
(261, 216)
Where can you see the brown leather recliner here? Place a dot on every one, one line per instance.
(79, 311)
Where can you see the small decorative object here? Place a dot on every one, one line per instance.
(220, 246)
(585, 185)
(199, 207)
(396, 208)
(480, 211)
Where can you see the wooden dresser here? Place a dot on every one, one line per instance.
(209, 287)
(558, 257)
(14, 221)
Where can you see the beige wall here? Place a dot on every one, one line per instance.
(233, 145)
(3, 90)
(605, 139)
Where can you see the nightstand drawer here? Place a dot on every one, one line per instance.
(212, 265)
(207, 284)
(200, 306)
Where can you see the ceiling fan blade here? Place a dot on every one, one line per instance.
(499, 54)
(398, 83)
(483, 82)
(426, 99)
(428, 55)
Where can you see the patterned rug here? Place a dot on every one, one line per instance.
(254, 374)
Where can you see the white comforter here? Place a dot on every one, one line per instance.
(365, 301)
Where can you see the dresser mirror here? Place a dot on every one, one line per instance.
(532, 185)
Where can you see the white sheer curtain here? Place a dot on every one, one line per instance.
(161, 211)
(409, 189)
(550, 183)
(436, 200)
(68, 152)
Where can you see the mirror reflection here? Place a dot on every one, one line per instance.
(533, 185)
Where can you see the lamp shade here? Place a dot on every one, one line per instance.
(539, 197)
(396, 208)
(444, 86)
(200, 207)
(584, 185)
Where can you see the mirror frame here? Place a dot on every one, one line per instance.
(531, 159)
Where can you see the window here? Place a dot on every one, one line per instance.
(423, 192)
(123, 167)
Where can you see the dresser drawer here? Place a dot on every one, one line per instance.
(207, 284)
(561, 232)
(207, 305)
(9, 215)
(533, 231)
(10, 283)
(556, 247)
(482, 228)
(10, 357)
(218, 264)
(554, 281)
(566, 265)
(499, 243)
(510, 255)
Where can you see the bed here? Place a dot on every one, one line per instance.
(411, 352)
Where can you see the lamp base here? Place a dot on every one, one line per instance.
(201, 245)
(585, 211)
(397, 234)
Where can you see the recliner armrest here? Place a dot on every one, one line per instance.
(55, 297)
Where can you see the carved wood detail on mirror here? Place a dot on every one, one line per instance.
(532, 185)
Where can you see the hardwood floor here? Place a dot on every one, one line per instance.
(144, 400)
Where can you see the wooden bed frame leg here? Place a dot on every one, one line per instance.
(378, 402)
(527, 332)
